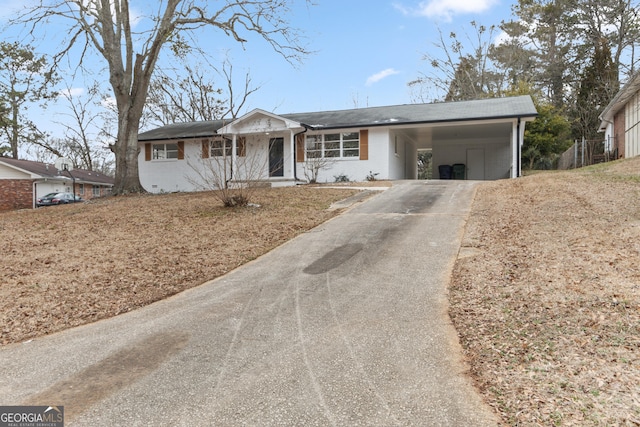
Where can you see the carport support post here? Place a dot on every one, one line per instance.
(292, 153)
(234, 144)
(516, 141)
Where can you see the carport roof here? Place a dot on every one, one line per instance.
(408, 114)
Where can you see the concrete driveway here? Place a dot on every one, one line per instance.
(345, 325)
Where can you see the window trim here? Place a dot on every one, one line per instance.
(150, 151)
(321, 145)
(161, 151)
(224, 149)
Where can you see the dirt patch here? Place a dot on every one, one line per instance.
(546, 297)
(65, 266)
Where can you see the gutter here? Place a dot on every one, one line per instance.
(295, 163)
(411, 123)
(519, 151)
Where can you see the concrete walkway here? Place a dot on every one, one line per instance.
(345, 325)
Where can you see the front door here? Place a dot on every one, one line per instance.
(276, 157)
(475, 164)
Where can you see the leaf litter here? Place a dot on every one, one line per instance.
(547, 307)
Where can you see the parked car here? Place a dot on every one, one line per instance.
(45, 200)
(57, 199)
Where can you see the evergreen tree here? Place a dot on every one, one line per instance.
(598, 85)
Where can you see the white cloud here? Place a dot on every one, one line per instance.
(501, 38)
(135, 16)
(109, 103)
(445, 9)
(72, 92)
(381, 75)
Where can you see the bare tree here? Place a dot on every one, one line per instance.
(315, 162)
(174, 99)
(80, 142)
(131, 56)
(462, 69)
(24, 79)
(232, 178)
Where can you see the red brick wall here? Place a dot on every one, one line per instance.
(88, 191)
(619, 130)
(16, 194)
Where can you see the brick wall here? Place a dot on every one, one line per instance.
(619, 130)
(88, 191)
(16, 194)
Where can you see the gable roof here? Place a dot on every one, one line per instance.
(407, 114)
(483, 109)
(260, 121)
(40, 170)
(620, 99)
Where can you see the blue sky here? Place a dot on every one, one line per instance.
(366, 51)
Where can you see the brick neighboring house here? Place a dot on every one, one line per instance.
(621, 121)
(23, 181)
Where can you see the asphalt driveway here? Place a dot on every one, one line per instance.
(345, 325)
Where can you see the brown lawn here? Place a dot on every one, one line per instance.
(545, 294)
(64, 266)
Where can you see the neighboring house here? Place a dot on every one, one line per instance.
(23, 181)
(485, 135)
(621, 121)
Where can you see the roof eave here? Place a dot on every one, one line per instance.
(525, 117)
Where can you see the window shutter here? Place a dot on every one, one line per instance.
(242, 146)
(147, 152)
(205, 148)
(300, 147)
(180, 150)
(364, 144)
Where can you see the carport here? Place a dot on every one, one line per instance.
(482, 137)
(489, 148)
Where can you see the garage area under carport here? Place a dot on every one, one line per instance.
(489, 150)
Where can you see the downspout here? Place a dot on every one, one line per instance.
(519, 151)
(34, 194)
(295, 147)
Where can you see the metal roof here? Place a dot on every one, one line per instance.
(407, 114)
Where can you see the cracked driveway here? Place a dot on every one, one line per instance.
(344, 325)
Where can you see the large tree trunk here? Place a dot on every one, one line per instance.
(126, 150)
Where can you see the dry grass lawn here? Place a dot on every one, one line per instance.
(64, 266)
(545, 295)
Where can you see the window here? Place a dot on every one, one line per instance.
(96, 191)
(164, 151)
(221, 147)
(334, 145)
(314, 146)
(81, 189)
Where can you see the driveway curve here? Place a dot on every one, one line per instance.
(345, 325)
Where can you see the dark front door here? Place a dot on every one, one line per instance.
(276, 157)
